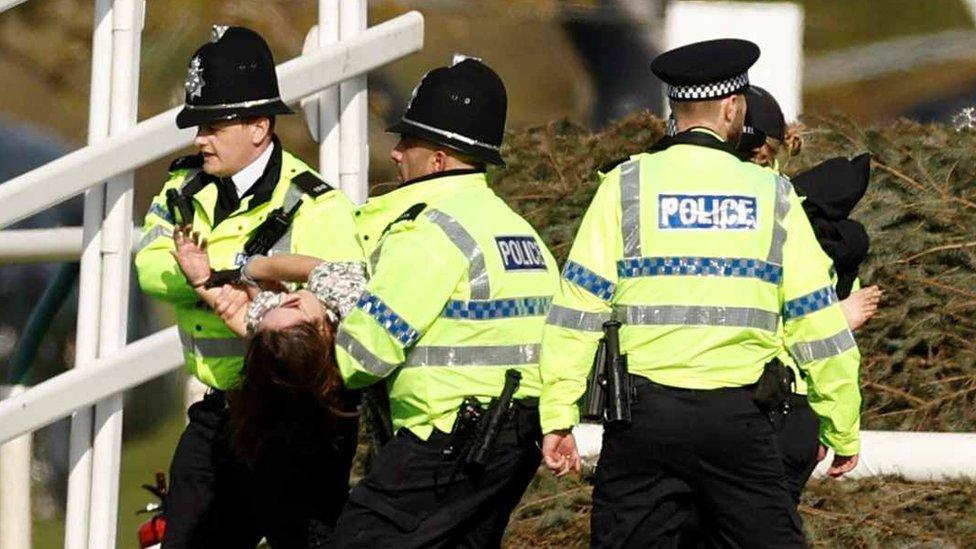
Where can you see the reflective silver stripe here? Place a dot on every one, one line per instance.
(477, 273)
(190, 175)
(834, 345)
(152, 235)
(782, 208)
(374, 257)
(630, 208)
(473, 355)
(451, 135)
(292, 198)
(240, 105)
(208, 347)
(693, 315)
(370, 362)
(575, 319)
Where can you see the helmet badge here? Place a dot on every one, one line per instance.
(194, 79)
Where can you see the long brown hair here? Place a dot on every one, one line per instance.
(287, 371)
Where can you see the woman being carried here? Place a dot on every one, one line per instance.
(292, 421)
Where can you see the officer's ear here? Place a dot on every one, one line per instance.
(260, 129)
(438, 161)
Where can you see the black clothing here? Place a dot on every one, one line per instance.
(713, 452)
(291, 495)
(832, 189)
(799, 436)
(416, 497)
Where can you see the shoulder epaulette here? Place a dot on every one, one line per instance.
(192, 161)
(409, 215)
(311, 184)
(613, 164)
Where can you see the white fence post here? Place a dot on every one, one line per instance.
(328, 126)
(89, 285)
(353, 132)
(116, 250)
(15, 497)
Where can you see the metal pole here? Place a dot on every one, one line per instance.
(15, 500)
(116, 250)
(354, 142)
(89, 285)
(328, 33)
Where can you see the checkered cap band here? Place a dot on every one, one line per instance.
(737, 267)
(711, 90)
(810, 303)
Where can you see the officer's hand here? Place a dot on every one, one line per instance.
(191, 255)
(231, 301)
(821, 452)
(842, 465)
(559, 452)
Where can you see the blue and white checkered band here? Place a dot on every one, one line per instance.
(712, 90)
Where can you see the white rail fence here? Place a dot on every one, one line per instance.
(105, 365)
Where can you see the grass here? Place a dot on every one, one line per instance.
(141, 458)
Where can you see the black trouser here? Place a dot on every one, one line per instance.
(710, 451)
(415, 497)
(291, 495)
(798, 440)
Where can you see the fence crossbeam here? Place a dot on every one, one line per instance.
(158, 136)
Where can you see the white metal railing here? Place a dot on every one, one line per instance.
(117, 145)
(55, 398)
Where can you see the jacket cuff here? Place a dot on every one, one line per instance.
(844, 445)
(555, 417)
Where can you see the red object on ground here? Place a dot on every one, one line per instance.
(151, 532)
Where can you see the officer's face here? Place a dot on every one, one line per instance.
(295, 308)
(416, 158)
(228, 146)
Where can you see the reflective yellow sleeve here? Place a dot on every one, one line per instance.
(325, 228)
(580, 307)
(817, 335)
(157, 271)
(417, 271)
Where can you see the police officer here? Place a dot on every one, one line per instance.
(698, 255)
(453, 314)
(247, 196)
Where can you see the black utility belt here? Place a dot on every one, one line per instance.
(638, 381)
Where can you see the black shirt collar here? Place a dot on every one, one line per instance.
(697, 138)
(438, 175)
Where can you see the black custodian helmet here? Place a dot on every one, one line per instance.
(229, 77)
(462, 107)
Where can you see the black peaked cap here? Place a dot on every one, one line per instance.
(229, 77)
(764, 114)
(764, 119)
(706, 70)
(462, 107)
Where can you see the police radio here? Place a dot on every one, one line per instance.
(180, 207)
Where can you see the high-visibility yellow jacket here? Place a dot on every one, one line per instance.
(699, 255)
(322, 227)
(458, 295)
